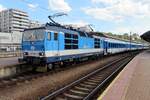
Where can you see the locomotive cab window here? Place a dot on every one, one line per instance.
(49, 36)
(55, 36)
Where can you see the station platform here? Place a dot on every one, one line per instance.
(10, 66)
(4, 62)
(133, 82)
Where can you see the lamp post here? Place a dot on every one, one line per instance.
(12, 49)
(130, 40)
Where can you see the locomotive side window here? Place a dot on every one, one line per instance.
(55, 36)
(71, 41)
(49, 36)
(96, 43)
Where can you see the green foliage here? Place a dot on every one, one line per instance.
(126, 36)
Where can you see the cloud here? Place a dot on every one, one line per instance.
(140, 29)
(118, 10)
(2, 7)
(80, 23)
(59, 5)
(121, 30)
(33, 6)
(110, 2)
(102, 14)
(133, 15)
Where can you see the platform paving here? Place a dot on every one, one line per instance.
(133, 83)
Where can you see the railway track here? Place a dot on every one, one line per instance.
(28, 76)
(86, 87)
(7, 82)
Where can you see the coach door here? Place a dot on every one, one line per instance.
(56, 43)
(52, 43)
(105, 47)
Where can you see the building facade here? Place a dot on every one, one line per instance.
(10, 41)
(13, 20)
(12, 24)
(33, 24)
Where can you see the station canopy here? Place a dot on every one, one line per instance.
(146, 36)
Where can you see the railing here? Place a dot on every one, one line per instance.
(10, 54)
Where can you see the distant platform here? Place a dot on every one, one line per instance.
(8, 66)
(133, 83)
(8, 61)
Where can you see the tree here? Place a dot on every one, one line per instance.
(126, 36)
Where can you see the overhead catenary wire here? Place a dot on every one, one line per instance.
(49, 11)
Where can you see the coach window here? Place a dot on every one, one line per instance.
(109, 45)
(49, 36)
(55, 36)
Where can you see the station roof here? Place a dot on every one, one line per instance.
(146, 36)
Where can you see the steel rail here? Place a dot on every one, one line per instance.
(59, 91)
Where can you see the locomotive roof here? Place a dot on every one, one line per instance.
(61, 29)
(75, 31)
(97, 34)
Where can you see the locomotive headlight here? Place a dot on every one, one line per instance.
(25, 53)
(41, 53)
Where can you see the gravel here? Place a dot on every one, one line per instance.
(36, 88)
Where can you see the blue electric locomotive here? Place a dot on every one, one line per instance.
(54, 44)
(51, 43)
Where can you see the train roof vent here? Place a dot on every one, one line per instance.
(97, 34)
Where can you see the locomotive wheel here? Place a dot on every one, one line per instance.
(34, 69)
(49, 67)
(62, 64)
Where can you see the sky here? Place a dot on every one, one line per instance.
(116, 16)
